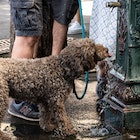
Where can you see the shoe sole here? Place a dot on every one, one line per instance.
(22, 117)
(75, 32)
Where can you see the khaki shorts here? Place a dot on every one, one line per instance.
(27, 16)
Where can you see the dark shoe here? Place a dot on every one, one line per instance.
(24, 110)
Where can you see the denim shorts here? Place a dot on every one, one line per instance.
(27, 15)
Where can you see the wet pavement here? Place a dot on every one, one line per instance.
(82, 113)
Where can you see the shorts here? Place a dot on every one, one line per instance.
(27, 16)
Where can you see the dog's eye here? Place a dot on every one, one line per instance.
(107, 51)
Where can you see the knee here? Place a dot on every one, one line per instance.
(31, 41)
(24, 47)
(26, 40)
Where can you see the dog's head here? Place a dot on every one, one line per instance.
(92, 52)
(82, 55)
(101, 53)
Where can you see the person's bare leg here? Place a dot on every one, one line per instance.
(59, 36)
(36, 45)
(77, 16)
(24, 47)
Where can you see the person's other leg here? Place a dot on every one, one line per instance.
(62, 17)
(77, 16)
(59, 37)
(76, 27)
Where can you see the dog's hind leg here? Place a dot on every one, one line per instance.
(4, 91)
(45, 120)
(64, 125)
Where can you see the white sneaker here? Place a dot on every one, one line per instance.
(75, 28)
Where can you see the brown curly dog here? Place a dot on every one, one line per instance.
(48, 81)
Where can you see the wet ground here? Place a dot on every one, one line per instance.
(81, 112)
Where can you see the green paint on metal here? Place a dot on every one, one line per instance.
(128, 42)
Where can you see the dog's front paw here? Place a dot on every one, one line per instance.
(71, 132)
(51, 127)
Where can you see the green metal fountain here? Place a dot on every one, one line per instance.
(122, 110)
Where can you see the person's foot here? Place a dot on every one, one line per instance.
(24, 110)
(75, 28)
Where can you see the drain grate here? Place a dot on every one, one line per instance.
(4, 46)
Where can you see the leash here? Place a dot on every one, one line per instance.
(85, 89)
(86, 76)
(82, 19)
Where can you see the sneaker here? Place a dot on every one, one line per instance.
(24, 110)
(75, 28)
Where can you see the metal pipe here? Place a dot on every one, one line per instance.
(113, 4)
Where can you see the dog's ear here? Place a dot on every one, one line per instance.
(88, 66)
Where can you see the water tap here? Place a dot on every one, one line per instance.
(113, 5)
